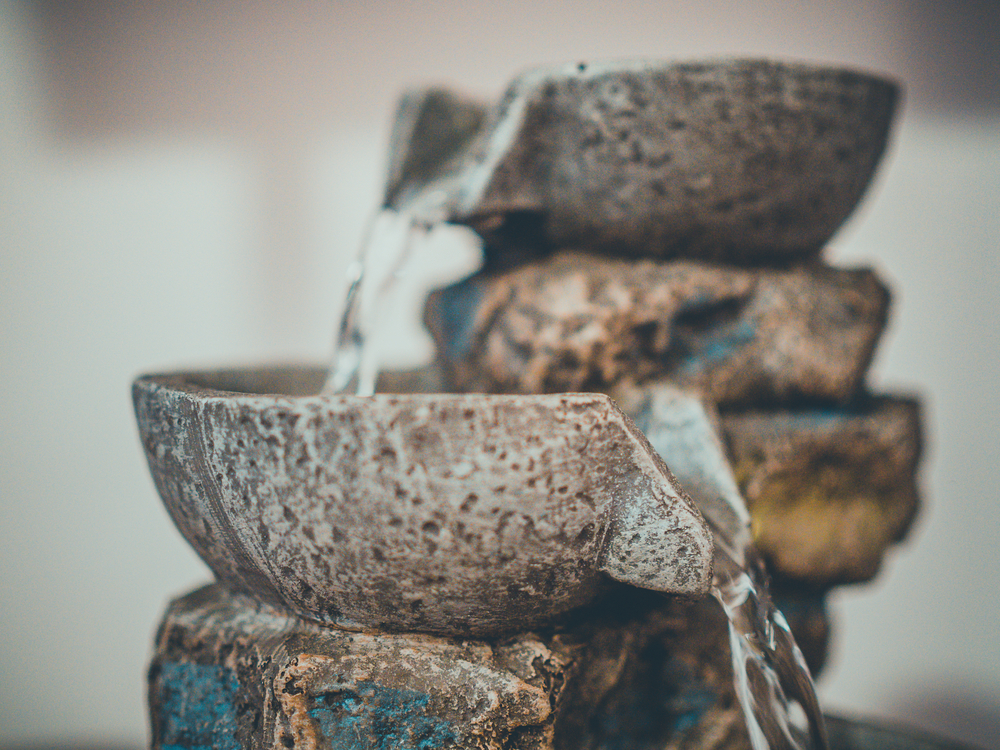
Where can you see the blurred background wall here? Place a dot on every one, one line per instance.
(184, 183)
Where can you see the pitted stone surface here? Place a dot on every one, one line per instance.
(642, 672)
(451, 514)
(829, 491)
(575, 322)
(681, 424)
(736, 160)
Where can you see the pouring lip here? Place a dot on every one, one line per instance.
(229, 455)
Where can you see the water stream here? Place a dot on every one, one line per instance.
(772, 681)
(387, 245)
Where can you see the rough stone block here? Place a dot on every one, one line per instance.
(828, 490)
(645, 673)
(232, 673)
(574, 322)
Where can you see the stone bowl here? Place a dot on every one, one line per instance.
(739, 161)
(465, 515)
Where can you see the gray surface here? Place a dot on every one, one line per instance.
(859, 734)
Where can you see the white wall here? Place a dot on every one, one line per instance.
(184, 184)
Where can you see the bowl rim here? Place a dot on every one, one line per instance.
(192, 383)
(711, 63)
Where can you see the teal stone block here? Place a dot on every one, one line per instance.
(198, 706)
(375, 717)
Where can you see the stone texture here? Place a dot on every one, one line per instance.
(684, 428)
(451, 514)
(231, 673)
(646, 673)
(744, 161)
(574, 322)
(829, 491)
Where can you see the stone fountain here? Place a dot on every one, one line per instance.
(492, 552)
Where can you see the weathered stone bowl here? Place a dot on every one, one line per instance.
(441, 513)
(747, 161)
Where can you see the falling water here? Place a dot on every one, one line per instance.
(771, 678)
(387, 246)
(772, 681)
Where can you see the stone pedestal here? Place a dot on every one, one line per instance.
(640, 671)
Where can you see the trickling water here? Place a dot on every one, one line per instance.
(772, 681)
(387, 246)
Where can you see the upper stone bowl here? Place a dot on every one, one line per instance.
(742, 161)
(451, 514)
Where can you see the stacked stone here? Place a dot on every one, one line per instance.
(827, 468)
(386, 618)
(574, 299)
(639, 672)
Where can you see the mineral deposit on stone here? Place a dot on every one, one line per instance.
(647, 673)
(575, 322)
(829, 490)
(232, 673)
(735, 160)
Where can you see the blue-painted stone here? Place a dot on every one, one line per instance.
(197, 706)
(374, 717)
(716, 347)
(311, 687)
(642, 671)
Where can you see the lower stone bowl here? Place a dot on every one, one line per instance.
(442, 513)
